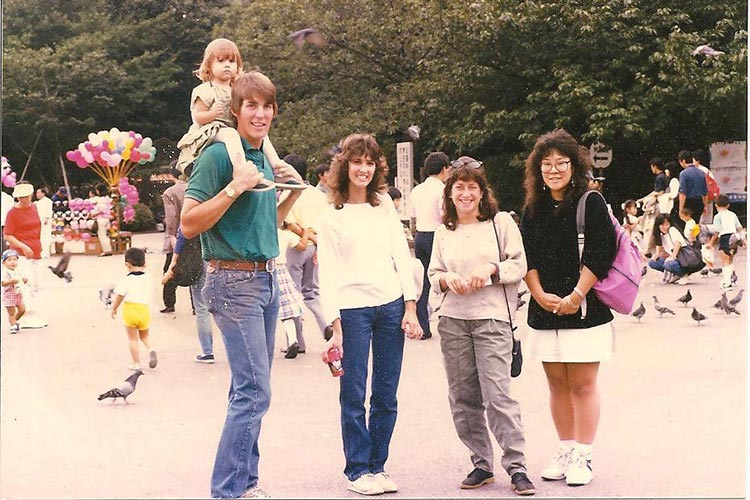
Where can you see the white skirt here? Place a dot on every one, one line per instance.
(584, 345)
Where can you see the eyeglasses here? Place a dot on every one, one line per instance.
(468, 164)
(561, 167)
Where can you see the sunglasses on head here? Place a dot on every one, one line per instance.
(467, 164)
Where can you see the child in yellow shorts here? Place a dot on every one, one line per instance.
(135, 291)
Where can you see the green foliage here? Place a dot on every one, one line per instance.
(144, 219)
(483, 78)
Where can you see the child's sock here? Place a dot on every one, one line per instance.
(290, 331)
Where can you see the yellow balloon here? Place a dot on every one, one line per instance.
(126, 154)
(111, 144)
(129, 143)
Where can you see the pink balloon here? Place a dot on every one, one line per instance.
(88, 145)
(135, 156)
(81, 163)
(71, 155)
(85, 236)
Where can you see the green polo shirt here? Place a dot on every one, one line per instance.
(247, 231)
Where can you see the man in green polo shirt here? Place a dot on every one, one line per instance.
(238, 235)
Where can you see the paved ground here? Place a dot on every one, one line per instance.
(674, 407)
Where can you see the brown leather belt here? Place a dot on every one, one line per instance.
(243, 265)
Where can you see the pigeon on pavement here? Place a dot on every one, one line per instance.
(662, 309)
(123, 390)
(685, 298)
(704, 271)
(61, 269)
(644, 270)
(716, 270)
(639, 312)
(726, 306)
(737, 298)
(697, 316)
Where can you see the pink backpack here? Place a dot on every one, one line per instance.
(619, 289)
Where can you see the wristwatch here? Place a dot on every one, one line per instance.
(230, 191)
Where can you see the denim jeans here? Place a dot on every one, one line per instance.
(366, 440)
(661, 264)
(202, 316)
(423, 251)
(245, 306)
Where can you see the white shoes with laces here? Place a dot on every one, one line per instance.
(556, 470)
(579, 472)
(366, 485)
(385, 482)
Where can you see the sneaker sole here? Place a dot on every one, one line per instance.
(489, 480)
(578, 484)
(525, 493)
(205, 361)
(555, 478)
(365, 492)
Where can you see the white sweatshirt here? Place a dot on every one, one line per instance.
(364, 258)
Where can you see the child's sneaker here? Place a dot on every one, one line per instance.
(727, 286)
(15, 328)
(579, 472)
(152, 359)
(135, 367)
(291, 185)
(204, 358)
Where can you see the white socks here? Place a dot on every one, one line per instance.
(583, 449)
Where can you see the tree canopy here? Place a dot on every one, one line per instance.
(483, 78)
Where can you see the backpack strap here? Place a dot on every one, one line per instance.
(581, 229)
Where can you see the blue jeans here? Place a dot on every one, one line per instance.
(366, 441)
(245, 306)
(661, 264)
(202, 316)
(423, 251)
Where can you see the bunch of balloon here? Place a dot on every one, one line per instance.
(112, 155)
(9, 176)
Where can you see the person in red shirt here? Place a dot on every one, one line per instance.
(23, 229)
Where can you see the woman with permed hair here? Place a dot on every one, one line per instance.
(368, 295)
(478, 261)
(570, 343)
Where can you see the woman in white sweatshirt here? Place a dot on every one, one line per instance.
(368, 295)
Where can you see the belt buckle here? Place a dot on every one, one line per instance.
(270, 265)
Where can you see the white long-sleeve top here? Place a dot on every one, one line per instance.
(363, 257)
(472, 245)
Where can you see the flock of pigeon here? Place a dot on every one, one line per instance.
(725, 304)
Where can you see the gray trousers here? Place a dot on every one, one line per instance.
(477, 356)
(305, 276)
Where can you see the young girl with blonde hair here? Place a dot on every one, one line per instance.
(212, 118)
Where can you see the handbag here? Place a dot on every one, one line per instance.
(516, 362)
(690, 259)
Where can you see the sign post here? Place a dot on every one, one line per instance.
(404, 175)
(601, 156)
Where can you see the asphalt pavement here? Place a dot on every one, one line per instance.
(673, 424)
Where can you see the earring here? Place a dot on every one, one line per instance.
(544, 187)
(573, 182)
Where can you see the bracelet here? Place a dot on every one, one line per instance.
(579, 293)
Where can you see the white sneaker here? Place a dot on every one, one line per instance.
(579, 472)
(255, 492)
(385, 482)
(366, 485)
(560, 463)
(683, 280)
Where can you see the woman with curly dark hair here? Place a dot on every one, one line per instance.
(569, 342)
(478, 261)
(369, 296)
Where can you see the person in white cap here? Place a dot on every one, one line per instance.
(22, 231)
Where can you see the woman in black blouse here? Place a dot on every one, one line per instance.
(569, 344)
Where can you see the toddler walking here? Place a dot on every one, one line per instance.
(135, 291)
(212, 117)
(730, 235)
(12, 295)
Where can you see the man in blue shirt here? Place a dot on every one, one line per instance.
(239, 240)
(693, 189)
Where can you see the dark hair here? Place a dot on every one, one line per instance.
(102, 189)
(672, 166)
(685, 155)
(656, 234)
(43, 189)
(394, 192)
(298, 162)
(701, 156)
(628, 204)
(657, 162)
(135, 257)
(322, 169)
(722, 200)
(487, 205)
(436, 162)
(357, 145)
(687, 211)
(561, 141)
